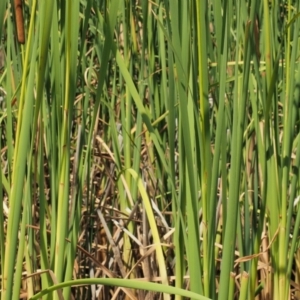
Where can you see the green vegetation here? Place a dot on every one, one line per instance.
(149, 149)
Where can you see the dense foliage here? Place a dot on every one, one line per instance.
(149, 148)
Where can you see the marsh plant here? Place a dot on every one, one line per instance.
(149, 149)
